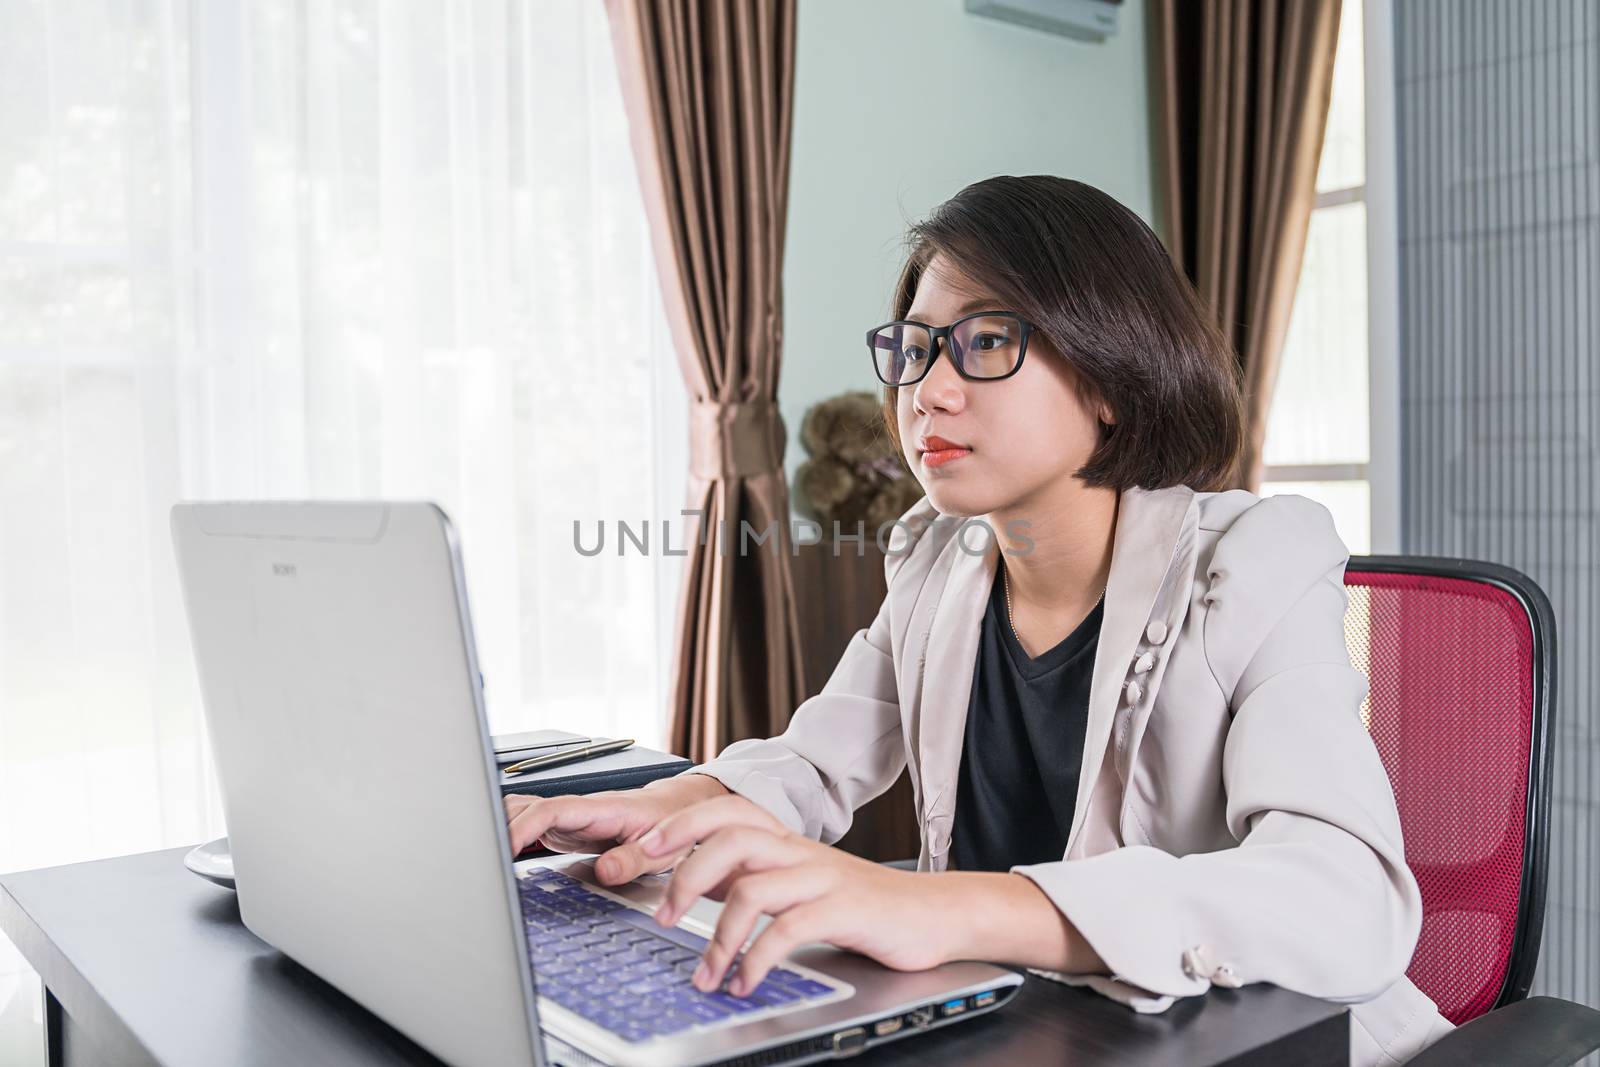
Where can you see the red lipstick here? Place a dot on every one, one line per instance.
(937, 451)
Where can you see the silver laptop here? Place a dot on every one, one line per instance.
(369, 838)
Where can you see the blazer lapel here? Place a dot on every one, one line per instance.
(1148, 527)
(951, 659)
(1171, 609)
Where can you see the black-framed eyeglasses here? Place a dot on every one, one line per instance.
(984, 346)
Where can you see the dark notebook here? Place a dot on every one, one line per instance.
(620, 770)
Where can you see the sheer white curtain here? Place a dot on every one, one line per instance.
(267, 248)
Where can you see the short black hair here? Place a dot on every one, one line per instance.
(1100, 286)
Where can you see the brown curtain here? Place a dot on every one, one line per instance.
(709, 90)
(1242, 91)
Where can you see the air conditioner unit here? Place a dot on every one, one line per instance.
(1085, 20)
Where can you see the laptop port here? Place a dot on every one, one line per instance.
(849, 1042)
(885, 1027)
(921, 1017)
(984, 1000)
(953, 1007)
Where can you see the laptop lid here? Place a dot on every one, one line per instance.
(334, 638)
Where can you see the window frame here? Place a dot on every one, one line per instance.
(1377, 192)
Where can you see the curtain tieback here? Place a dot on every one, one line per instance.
(737, 440)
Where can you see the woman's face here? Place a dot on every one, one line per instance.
(1012, 437)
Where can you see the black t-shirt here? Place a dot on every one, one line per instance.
(1023, 746)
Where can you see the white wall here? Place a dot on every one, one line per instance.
(898, 105)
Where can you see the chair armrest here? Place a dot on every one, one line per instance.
(1537, 1032)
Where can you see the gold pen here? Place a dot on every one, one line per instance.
(571, 755)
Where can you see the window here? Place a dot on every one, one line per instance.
(269, 249)
(1317, 436)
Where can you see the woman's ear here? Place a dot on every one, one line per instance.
(1106, 415)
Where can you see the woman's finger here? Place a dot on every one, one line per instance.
(598, 815)
(530, 821)
(729, 850)
(625, 862)
(699, 821)
(751, 897)
(797, 926)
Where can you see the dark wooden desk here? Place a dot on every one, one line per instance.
(144, 963)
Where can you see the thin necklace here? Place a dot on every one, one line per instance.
(1005, 579)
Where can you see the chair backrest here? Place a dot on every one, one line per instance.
(1460, 657)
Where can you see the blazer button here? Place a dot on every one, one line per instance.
(1156, 632)
(1134, 693)
(1144, 663)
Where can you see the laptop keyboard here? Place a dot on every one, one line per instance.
(613, 965)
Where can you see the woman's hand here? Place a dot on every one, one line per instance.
(608, 822)
(748, 859)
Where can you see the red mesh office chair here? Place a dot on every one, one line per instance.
(1460, 659)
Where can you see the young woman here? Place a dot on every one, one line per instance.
(1131, 724)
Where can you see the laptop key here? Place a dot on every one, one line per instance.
(566, 930)
(568, 998)
(767, 996)
(731, 1002)
(612, 1018)
(683, 938)
(683, 1000)
(644, 987)
(634, 936)
(593, 1010)
(707, 1011)
(669, 1022)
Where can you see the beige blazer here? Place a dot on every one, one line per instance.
(1233, 824)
